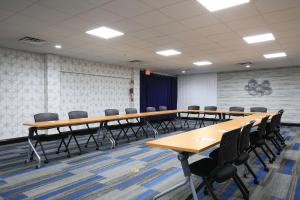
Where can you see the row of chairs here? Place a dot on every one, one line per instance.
(122, 126)
(235, 148)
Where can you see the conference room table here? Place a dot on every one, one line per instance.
(197, 141)
(34, 126)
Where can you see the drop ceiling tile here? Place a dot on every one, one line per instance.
(282, 15)
(14, 5)
(4, 14)
(127, 26)
(170, 28)
(153, 18)
(146, 34)
(265, 6)
(127, 8)
(159, 3)
(253, 31)
(68, 6)
(291, 25)
(224, 36)
(237, 13)
(200, 21)
(214, 29)
(98, 2)
(44, 14)
(184, 9)
(246, 23)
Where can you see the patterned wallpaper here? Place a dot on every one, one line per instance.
(285, 83)
(31, 83)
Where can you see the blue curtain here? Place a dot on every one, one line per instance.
(157, 90)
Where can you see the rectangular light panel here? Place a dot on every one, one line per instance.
(104, 32)
(259, 38)
(168, 52)
(275, 55)
(215, 5)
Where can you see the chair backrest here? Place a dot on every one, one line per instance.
(150, 109)
(258, 109)
(228, 152)
(237, 109)
(130, 110)
(212, 108)
(77, 114)
(244, 141)
(262, 128)
(280, 112)
(109, 112)
(162, 108)
(42, 117)
(274, 124)
(193, 107)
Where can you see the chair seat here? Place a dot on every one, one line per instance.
(116, 126)
(224, 173)
(270, 136)
(203, 167)
(85, 131)
(52, 137)
(255, 141)
(242, 158)
(214, 154)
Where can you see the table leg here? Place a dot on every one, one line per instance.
(183, 158)
(112, 141)
(31, 148)
(153, 129)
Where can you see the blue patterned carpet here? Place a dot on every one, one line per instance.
(134, 171)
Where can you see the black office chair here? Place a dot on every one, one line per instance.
(119, 126)
(236, 109)
(215, 116)
(140, 124)
(80, 132)
(221, 169)
(258, 109)
(43, 117)
(279, 137)
(257, 140)
(169, 118)
(271, 132)
(243, 146)
(193, 117)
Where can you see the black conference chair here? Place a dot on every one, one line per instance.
(257, 140)
(140, 124)
(111, 127)
(169, 118)
(236, 109)
(43, 117)
(213, 119)
(280, 138)
(243, 155)
(271, 132)
(191, 116)
(221, 169)
(81, 132)
(258, 109)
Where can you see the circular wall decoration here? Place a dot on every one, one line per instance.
(258, 89)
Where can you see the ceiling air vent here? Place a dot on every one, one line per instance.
(32, 41)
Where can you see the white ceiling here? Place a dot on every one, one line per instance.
(152, 25)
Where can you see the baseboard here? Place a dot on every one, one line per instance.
(290, 124)
(13, 140)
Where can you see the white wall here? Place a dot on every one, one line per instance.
(199, 89)
(32, 83)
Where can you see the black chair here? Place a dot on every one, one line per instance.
(111, 127)
(140, 124)
(221, 169)
(43, 117)
(236, 109)
(207, 113)
(169, 118)
(243, 146)
(280, 138)
(271, 132)
(81, 132)
(258, 109)
(194, 117)
(257, 140)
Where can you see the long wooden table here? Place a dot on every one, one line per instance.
(34, 126)
(199, 140)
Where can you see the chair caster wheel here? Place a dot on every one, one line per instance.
(245, 175)
(97, 148)
(85, 146)
(68, 156)
(266, 169)
(256, 182)
(205, 192)
(46, 161)
(37, 167)
(271, 161)
(57, 152)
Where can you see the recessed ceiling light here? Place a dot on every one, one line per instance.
(183, 71)
(214, 5)
(58, 46)
(200, 63)
(168, 52)
(248, 66)
(275, 55)
(259, 38)
(104, 32)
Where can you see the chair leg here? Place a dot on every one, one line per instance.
(241, 186)
(67, 149)
(252, 173)
(210, 189)
(261, 160)
(277, 146)
(78, 146)
(270, 150)
(58, 149)
(266, 153)
(46, 159)
(97, 145)
(87, 142)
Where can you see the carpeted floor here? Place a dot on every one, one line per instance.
(134, 171)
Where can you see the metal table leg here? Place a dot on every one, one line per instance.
(112, 141)
(153, 129)
(31, 148)
(183, 158)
